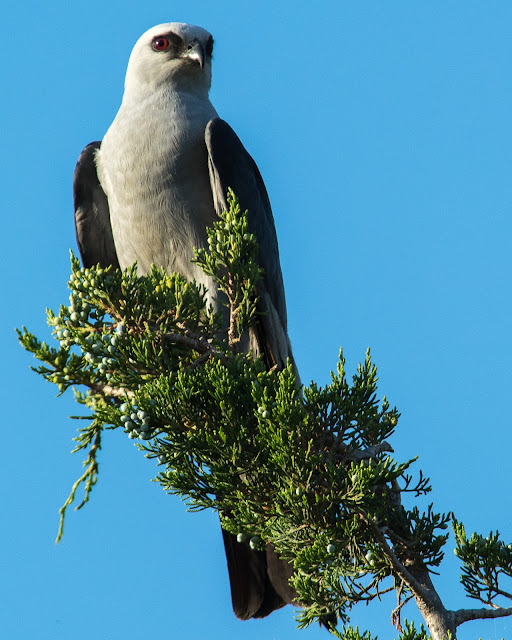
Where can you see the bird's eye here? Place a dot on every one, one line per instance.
(161, 43)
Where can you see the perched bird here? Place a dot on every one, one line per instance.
(146, 194)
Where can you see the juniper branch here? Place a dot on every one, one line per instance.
(465, 615)
(88, 477)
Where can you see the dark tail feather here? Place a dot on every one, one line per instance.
(258, 579)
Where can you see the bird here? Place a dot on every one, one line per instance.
(147, 192)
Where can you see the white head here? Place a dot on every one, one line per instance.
(173, 54)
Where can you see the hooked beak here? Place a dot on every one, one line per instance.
(195, 52)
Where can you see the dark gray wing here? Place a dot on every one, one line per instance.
(231, 166)
(92, 215)
(258, 579)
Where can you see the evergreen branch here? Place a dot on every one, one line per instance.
(108, 391)
(369, 453)
(396, 613)
(88, 477)
(465, 615)
(416, 587)
(194, 341)
(307, 470)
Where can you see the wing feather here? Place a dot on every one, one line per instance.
(231, 166)
(92, 215)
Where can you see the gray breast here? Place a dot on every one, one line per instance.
(153, 166)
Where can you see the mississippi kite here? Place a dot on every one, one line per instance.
(148, 191)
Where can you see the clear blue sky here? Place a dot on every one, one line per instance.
(383, 132)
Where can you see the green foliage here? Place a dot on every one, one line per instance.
(410, 632)
(349, 633)
(307, 469)
(486, 562)
(231, 260)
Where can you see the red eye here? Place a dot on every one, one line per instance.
(160, 43)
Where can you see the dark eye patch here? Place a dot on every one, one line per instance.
(175, 39)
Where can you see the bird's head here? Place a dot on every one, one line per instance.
(174, 54)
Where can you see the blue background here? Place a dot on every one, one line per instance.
(383, 132)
